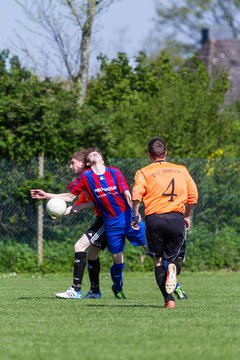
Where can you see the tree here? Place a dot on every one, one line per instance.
(36, 116)
(67, 27)
(43, 117)
(153, 98)
(182, 21)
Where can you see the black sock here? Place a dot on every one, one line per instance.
(78, 271)
(160, 276)
(94, 271)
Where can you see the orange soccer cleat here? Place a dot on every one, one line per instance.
(170, 304)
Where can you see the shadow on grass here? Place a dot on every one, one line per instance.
(37, 298)
(93, 305)
(126, 305)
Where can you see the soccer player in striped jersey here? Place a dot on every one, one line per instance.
(89, 245)
(110, 194)
(169, 195)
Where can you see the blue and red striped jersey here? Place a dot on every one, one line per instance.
(105, 190)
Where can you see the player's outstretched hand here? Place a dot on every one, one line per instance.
(38, 194)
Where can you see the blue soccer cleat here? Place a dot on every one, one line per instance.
(92, 295)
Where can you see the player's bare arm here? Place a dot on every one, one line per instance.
(128, 197)
(41, 194)
(188, 215)
(136, 215)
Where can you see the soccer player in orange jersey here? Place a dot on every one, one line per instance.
(169, 195)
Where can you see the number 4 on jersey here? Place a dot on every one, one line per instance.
(171, 194)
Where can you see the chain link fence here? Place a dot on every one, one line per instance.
(218, 182)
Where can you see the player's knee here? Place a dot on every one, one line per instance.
(93, 253)
(82, 244)
(118, 258)
(78, 247)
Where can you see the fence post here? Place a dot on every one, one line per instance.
(40, 213)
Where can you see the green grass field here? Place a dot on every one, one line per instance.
(36, 325)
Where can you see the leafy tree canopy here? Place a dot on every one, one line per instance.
(36, 116)
(125, 106)
(43, 116)
(184, 106)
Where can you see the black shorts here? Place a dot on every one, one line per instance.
(166, 236)
(96, 234)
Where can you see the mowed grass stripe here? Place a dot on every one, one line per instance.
(36, 325)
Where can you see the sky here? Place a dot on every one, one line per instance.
(124, 27)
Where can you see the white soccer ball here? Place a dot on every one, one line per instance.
(56, 207)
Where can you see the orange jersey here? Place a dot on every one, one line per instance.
(85, 198)
(164, 187)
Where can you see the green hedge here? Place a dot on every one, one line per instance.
(210, 251)
(205, 251)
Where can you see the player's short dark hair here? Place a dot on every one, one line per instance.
(157, 147)
(79, 155)
(92, 149)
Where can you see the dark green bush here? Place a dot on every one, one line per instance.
(19, 258)
(205, 251)
(58, 257)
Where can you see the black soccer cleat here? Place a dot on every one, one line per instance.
(118, 294)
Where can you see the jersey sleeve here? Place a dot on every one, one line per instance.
(140, 185)
(77, 186)
(83, 199)
(121, 181)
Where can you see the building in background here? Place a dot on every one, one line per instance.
(220, 51)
